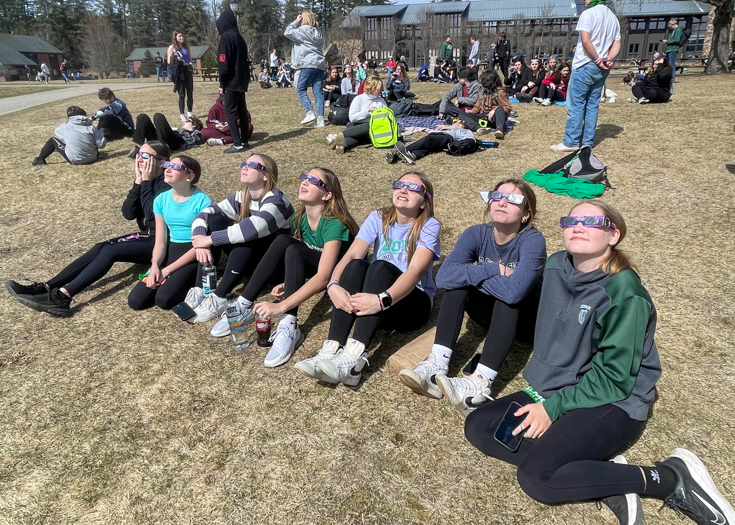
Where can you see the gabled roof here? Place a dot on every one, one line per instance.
(529, 9)
(139, 52)
(660, 7)
(25, 44)
(10, 57)
(386, 10)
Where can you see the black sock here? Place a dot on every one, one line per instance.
(660, 481)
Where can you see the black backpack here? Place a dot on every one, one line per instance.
(462, 147)
(339, 116)
(582, 164)
(684, 38)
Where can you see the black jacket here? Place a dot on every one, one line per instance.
(233, 64)
(528, 76)
(138, 204)
(503, 48)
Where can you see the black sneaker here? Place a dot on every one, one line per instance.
(38, 161)
(391, 157)
(404, 154)
(237, 149)
(15, 289)
(54, 302)
(696, 495)
(627, 507)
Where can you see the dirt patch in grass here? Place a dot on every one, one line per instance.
(114, 416)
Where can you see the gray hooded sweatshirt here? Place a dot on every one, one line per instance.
(307, 46)
(82, 139)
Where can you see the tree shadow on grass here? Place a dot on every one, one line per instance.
(607, 131)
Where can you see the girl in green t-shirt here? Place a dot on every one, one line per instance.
(322, 230)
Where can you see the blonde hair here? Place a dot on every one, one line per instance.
(335, 207)
(271, 168)
(617, 260)
(373, 85)
(389, 215)
(308, 19)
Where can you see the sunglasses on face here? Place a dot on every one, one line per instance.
(589, 221)
(411, 186)
(252, 165)
(175, 166)
(145, 155)
(512, 198)
(314, 180)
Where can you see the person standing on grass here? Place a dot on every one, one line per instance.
(672, 47)
(502, 49)
(64, 67)
(592, 382)
(159, 67)
(234, 78)
(179, 58)
(474, 50)
(598, 45)
(273, 59)
(446, 52)
(45, 72)
(78, 140)
(55, 295)
(308, 58)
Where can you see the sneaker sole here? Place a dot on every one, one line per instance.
(700, 474)
(248, 320)
(408, 378)
(200, 319)
(315, 374)
(63, 312)
(350, 381)
(403, 154)
(285, 359)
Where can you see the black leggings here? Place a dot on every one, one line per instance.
(287, 259)
(174, 290)
(472, 120)
(158, 129)
(653, 95)
(361, 276)
(53, 144)
(94, 264)
(113, 128)
(570, 461)
(431, 143)
(236, 109)
(552, 94)
(357, 133)
(502, 321)
(187, 89)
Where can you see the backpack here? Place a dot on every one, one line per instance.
(582, 164)
(339, 116)
(462, 147)
(684, 37)
(402, 108)
(383, 128)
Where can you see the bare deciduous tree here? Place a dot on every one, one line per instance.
(101, 46)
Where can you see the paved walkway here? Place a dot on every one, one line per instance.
(21, 102)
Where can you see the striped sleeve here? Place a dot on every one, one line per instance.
(266, 218)
(230, 208)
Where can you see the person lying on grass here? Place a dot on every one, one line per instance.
(395, 290)
(244, 225)
(173, 263)
(493, 274)
(592, 378)
(322, 231)
(55, 295)
(78, 140)
(187, 136)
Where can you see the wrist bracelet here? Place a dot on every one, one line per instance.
(332, 282)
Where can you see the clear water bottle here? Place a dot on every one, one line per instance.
(236, 321)
(209, 278)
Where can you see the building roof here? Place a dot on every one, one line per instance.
(495, 10)
(139, 52)
(10, 57)
(12, 48)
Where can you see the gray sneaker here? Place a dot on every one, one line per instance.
(626, 507)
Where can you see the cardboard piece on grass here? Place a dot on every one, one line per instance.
(413, 353)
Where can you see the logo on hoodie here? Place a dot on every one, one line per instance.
(583, 312)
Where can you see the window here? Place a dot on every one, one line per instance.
(652, 48)
(386, 28)
(558, 50)
(698, 28)
(637, 24)
(657, 24)
(371, 28)
(633, 49)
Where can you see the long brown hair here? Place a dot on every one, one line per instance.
(389, 214)
(178, 47)
(618, 260)
(525, 188)
(271, 168)
(335, 207)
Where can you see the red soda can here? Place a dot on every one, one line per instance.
(263, 328)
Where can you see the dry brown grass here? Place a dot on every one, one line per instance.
(121, 417)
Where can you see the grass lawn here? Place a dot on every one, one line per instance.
(25, 89)
(114, 416)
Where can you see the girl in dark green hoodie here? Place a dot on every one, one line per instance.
(592, 382)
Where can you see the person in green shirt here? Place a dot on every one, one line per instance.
(672, 47)
(446, 53)
(322, 230)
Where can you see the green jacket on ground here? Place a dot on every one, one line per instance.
(556, 183)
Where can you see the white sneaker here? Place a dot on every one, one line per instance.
(191, 115)
(212, 306)
(310, 366)
(546, 102)
(331, 138)
(563, 148)
(326, 103)
(286, 339)
(215, 142)
(612, 100)
(627, 508)
(182, 117)
(633, 100)
(194, 297)
(310, 117)
(465, 393)
(319, 122)
(538, 100)
(643, 100)
(222, 328)
(422, 379)
(514, 120)
(346, 367)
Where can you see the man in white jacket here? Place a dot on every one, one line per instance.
(78, 140)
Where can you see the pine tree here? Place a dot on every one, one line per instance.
(148, 64)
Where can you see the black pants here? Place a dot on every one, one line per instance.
(431, 143)
(236, 108)
(472, 120)
(357, 133)
(174, 290)
(187, 90)
(287, 260)
(361, 276)
(504, 63)
(113, 128)
(332, 96)
(53, 144)
(653, 95)
(570, 461)
(503, 322)
(159, 130)
(552, 94)
(94, 264)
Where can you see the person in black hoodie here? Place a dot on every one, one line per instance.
(54, 296)
(502, 48)
(656, 88)
(234, 77)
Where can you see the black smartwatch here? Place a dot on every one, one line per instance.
(385, 300)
